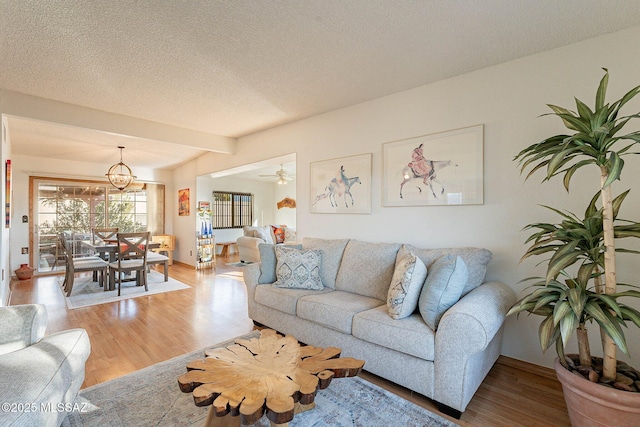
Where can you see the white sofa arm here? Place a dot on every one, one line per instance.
(251, 274)
(248, 248)
(465, 349)
(22, 326)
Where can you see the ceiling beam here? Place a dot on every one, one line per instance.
(28, 106)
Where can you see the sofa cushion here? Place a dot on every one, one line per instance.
(409, 335)
(406, 284)
(268, 262)
(442, 289)
(476, 260)
(283, 299)
(298, 268)
(367, 268)
(332, 251)
(334, 310)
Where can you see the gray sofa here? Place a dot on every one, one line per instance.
(350, 311)
(40, 376)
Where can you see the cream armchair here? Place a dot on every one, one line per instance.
(253, 236)
(41, 375)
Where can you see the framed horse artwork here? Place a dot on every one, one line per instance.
(440, 169)
(341, 185)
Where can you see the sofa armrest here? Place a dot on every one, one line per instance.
(249, 242)
(466, 330)
(251, 274)
(22, 326)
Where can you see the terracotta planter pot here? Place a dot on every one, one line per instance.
(591, 405)
(24, 272)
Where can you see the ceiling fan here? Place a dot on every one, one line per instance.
(281, 174)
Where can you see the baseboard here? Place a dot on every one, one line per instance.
(542, 371)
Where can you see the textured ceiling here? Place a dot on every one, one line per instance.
(236, 67)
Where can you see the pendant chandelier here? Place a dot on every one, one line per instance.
(120, 175)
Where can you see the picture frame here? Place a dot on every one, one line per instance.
(7, 194)
(183, 202)
(341, 185)
(443, 168)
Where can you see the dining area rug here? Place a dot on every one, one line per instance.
(86, 292)
(151, 397)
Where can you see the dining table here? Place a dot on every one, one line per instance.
(108, 251)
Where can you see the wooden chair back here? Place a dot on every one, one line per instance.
(66, 253)
(99, 235)
(133, 246)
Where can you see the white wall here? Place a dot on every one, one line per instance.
(266, 194)
(5, 254)
(286, 216)
(508, 99)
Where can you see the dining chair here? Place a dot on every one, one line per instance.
(104, 235)
(132, 256)
(78, 265)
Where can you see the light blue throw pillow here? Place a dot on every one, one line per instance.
(268, 262)
(445, 282)
(298, 268)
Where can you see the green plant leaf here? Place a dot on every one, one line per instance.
(561, 309)
(577, 299)
(614, 167)
(563, 257)
(546, 333)
(560, 353)
(629, 96)
(568, 324)
(610, 302)
(602, 90)
(583, 110)
(611, 328)
(568, 174)
(629, 313)
(617, 202)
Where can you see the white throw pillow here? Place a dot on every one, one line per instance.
(264, 233)
(298, 268)
(445, 282)
(406, 284)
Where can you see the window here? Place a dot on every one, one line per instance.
(231, 210)
(76, 207)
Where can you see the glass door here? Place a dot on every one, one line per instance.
(76, 207)
(69, 208)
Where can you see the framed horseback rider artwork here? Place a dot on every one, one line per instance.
(341, 185)
(439, 169)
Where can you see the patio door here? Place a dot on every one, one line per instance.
(76, 207)
(64, 207)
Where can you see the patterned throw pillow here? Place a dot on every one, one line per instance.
(298, 268)
(268, 262)
(290, 234)
(446, 279)
(278, 232)
(406, 284)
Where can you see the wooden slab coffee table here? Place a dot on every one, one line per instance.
(270, 374)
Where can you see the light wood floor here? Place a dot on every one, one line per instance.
(132, 334)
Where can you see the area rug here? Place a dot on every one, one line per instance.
(86, 293)
(151, 397)
(238, 264)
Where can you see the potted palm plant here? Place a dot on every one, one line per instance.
(583, 252)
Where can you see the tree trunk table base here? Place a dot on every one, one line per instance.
(273, 375)
(234, 421)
